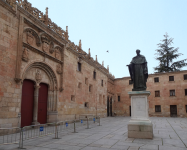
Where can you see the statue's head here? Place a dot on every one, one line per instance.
(138, 52)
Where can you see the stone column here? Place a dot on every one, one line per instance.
(35, 110)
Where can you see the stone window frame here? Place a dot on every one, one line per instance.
(102, 83)
(86, 81)
(94, 74)
(86, 104)
(79, 66)
(185, 92)
(130, 82)
(90, 88)
(119, 98)
(171, 78)
(79, 85)
(73, 98)
(155, 80)
(185, 76)
(172, 92)
(157, 95)
(157, 108)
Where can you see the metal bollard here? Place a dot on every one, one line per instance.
(74, 127)
(56, 131)
(21, 140)
(99, 121)
(87, 123)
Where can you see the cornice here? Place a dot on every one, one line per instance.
(41, 53)
(7, 6)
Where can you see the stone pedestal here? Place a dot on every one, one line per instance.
(140, 126)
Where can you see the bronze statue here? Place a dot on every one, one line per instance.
(138, 72)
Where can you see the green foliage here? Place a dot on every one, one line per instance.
(165, 56)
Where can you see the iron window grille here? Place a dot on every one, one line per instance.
(156, 79)
(157, 93)
(171, 78)
(172, 92)
(185, 77)
(185, 91)
(130, 82)
(157, 108)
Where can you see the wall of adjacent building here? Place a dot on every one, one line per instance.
(122, 88)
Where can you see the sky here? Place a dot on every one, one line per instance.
(121, 27)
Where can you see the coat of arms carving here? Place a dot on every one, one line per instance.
(57, 54)
(30, 38)
(38, 76)
(58, 69)
(25, 55)
(45, 44)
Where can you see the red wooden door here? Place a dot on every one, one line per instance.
(27, 103)
(42, 103)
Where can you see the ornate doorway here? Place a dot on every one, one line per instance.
(27, 103)
(173, 110)
(42, 103)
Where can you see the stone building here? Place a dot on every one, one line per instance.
(168, 94)
(44, 77)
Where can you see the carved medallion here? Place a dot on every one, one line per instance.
(45, 47)
(25, 55)
(38, 76)
(57, 54)
(30, 38)
(58, 69)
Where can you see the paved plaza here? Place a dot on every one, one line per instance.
(169, 134)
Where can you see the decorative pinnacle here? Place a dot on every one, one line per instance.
(102, 63)
(108, 68)
(96, 58)
(46, 12)
(80, 44)
(67, 29)
(89, 52)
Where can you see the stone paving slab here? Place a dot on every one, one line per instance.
(169, 134)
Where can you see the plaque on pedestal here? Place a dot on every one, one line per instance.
(140, 126)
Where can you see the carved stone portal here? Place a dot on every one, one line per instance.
(25, 55)
(58, 69)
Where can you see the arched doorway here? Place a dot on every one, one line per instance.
(27, 103)
(111, 106)
(42, 103)
(108, 107)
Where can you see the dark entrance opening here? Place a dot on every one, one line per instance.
(107, 106)
(27, 103)
(173, 110)
(110, 106)
(130, 110)
(42, 103)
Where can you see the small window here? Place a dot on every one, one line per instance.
(101, 82)
(118, 98)
(86, 104)
(79, 85)
(94, 74)
(90, 88)
(185, 77)
(171, 78)
(73, 98)
(172, 92)
(157, 93)
(79, 66)
(156, 79)
(86, 81)
(130, 82)
(185, 91)
(157, 108)
(104, 100)
(186, 108)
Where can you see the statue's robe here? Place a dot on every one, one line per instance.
(139, 73)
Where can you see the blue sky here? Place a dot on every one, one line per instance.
(120, 26)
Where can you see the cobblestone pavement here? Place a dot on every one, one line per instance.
(169, 134)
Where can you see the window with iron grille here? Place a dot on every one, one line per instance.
(171, 78)
(130, 82)
(101, 82)
(156, 79)
(185, 91)
(157, 93)
(172, 92)
(94, 74)
(118, 98)
(185, 77)
(157, 108)
(79, 66)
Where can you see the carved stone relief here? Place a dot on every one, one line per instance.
(57, 54)
(51, 49)
(58, 69)
(25, 55)
(38, 76)
(30, 38)
(45, 44)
